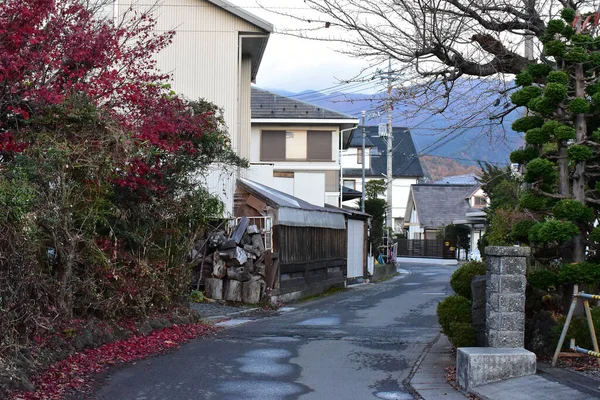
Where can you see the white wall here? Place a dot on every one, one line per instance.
(414, 227)
(400, 193)
(310, 187)
(261, 173)
(350, 158)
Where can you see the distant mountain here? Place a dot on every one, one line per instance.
(436, 168)
(433, 134)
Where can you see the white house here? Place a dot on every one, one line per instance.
(295, 147)
(405, 165)
(215, 55)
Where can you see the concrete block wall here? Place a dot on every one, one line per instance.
(505, 296)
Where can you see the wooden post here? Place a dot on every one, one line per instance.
(588, 314)
(567, 323)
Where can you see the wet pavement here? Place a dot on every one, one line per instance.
(358, 344)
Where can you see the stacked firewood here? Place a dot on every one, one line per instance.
(232, 268)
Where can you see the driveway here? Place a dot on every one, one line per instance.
(359, 344)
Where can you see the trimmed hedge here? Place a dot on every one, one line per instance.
(462, 277)
(454, 315)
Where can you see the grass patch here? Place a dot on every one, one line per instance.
(328, 292)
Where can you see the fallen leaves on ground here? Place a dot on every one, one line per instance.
(450, 374)
(74, 373)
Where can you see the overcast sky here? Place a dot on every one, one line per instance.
(296, 64)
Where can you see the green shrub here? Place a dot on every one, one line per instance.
(572, 210)
(555, 92)
(579, 152)
(540, 169)
(520, 231)
(555, 48)
(581, 273)
(553, 231)
(564, 132)
(196, 296)
(578, 330)
(525, 155)
(555, 26)
(536, 136)
(558, 77)
(542, 279)
(453, 309)
(461, 334)
(579, 105)
(531, 201)
(524, 95)
(524, 124)
(454, 315)
(462, 277)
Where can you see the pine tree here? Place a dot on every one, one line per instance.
(562, 96)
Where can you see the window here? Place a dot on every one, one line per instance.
(480, 201)
(272, 145)
(319, 146)
(350, 184)
(359, 155)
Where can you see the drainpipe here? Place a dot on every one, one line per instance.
(340, 162)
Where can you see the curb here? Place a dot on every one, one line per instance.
(415, 367)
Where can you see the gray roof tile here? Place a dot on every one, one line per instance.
(439, 205)
(405, 160)
(267, 105)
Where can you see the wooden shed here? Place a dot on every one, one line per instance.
(309, 242)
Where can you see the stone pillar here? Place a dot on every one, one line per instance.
(505, 296)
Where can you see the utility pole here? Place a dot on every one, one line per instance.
(364, 135)
(390, 136)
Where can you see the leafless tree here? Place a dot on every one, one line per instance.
(440, 45)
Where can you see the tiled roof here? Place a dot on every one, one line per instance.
(267, 105)
(438, 205)
(405, 160)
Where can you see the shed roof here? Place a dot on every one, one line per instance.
(440, 205)
(293, 211)
(405, 160)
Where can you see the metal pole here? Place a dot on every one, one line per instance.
(364, 135)
(390, 178)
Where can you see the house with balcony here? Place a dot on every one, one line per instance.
(406, 167)
(295, 147)
(215, 55)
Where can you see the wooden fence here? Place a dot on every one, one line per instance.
(426, 248)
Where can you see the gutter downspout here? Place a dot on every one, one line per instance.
(340, 161)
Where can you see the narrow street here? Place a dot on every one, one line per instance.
(359, 344)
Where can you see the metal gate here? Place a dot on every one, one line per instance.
(356, 247)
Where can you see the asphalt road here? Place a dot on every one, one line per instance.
(359, 344)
